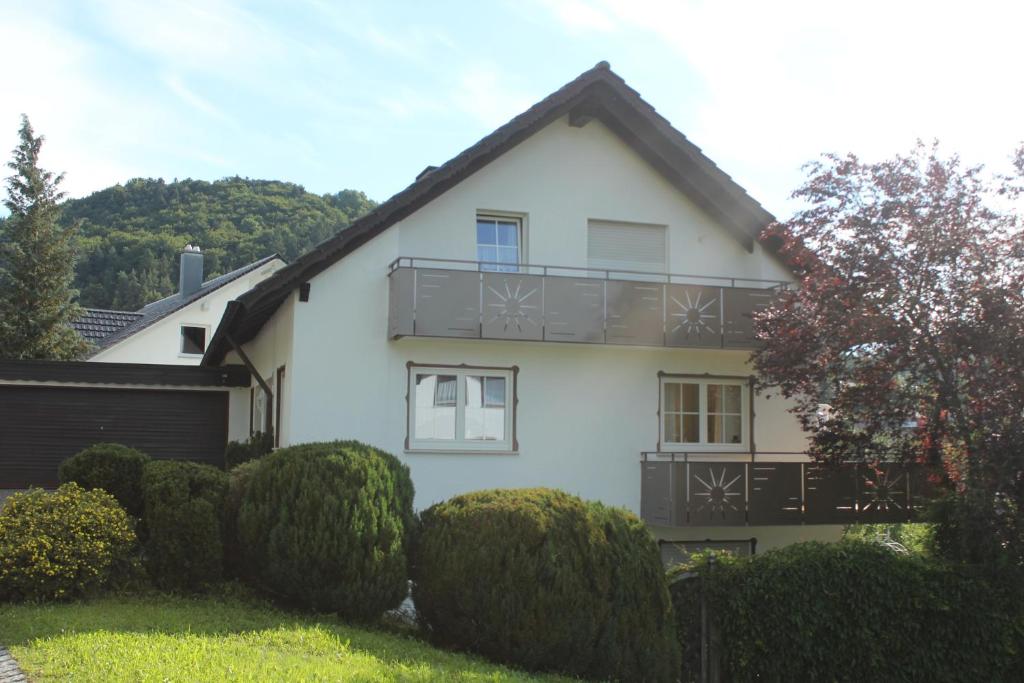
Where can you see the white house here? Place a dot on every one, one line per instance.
(176, 329)
(566, 304)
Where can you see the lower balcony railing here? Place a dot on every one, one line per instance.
(678, 490)
(473, 300)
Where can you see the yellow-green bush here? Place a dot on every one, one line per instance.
(543, 580)
(63, 544)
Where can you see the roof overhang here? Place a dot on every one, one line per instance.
(85, 372)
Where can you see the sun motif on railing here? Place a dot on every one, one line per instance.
(717, 495)
(693, 317)
(513, 307)
(882, 492)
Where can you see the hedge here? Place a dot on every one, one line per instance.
(255, 447)
(183, 514)
(63, 544)
(112, 467)
(235, 564)
(543, 580)
(327, 526)
(856, 611)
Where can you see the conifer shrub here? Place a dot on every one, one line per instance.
(63, 544)
(183, 514)
(543, 580)
(327, 526)
(112, 467)
(253, 448)
(238, 483)
(855, 611)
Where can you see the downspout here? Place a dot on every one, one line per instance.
(269, 417)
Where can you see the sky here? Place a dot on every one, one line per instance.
(335, 95)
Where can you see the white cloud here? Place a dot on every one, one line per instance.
(60, 98)
(177, 86)
(485, 94)
(580, 16)
(784, 82)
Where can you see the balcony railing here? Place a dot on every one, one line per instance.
(472, 300)
(678, 490)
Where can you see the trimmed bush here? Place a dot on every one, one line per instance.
(543, 580)
(327, 526)
(856, 611)
(238, 483)
(63, 544)
(184, 511)
(112, 467)
(238, 452)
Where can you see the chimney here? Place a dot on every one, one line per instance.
(190, 277)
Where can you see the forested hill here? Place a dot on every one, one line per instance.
(131, 234)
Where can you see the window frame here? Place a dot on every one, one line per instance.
(746, 444)
(181, 340)
(508, 446)
(502, 216)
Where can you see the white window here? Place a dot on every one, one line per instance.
(499, 241)
(193, 340)
(705, 414)
(461, 409)
(626, 247)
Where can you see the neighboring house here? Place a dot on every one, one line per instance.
(174, 330)
(509, 320)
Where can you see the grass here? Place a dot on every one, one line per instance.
(160, 638)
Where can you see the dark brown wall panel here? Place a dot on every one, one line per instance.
(40, 426)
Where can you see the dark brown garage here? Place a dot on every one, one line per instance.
(165, 411)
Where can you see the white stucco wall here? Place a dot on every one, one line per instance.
(161, 342)
(560, 178)
(585, 411)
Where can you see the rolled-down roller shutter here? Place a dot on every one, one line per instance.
(626, 246)
(40, 426)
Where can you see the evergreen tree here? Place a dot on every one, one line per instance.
(37, 262)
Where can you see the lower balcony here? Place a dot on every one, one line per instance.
(680, 491)
(470, 300)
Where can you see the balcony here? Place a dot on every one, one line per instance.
(677, 490)
(469, 300)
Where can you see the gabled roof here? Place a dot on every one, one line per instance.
(124, 324)
(597, 93)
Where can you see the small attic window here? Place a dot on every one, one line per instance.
(193, 340)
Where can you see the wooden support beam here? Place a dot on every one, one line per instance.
(269, 412)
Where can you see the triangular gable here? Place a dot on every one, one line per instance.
(597, 93)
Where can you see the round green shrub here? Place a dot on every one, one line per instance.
(327, 526)
(63, 544)
(112, 467)
(856, 611)
(183, 514)
(543, 580)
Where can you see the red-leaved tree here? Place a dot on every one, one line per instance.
(904, 339)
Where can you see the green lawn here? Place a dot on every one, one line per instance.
(160, 638)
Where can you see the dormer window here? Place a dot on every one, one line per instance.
(193, 340)
(499, 242)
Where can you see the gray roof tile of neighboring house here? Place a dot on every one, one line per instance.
(98, 323)
(119, 325)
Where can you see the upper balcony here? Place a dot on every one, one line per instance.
(474, 300)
